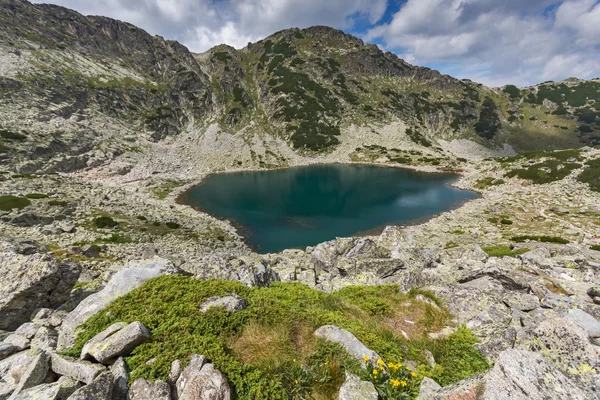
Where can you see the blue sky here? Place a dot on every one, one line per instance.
(495, 42)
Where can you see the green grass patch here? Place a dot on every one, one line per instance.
(116, 239)
(595, 247)
(173, 225)
(8, 203)
(545, 172)
(503, 251)
(488, 182)
(36, 196)
(266, 348)
(10, 135)
(591, 175)
(505, 221)
(543, 239)
(58, 203)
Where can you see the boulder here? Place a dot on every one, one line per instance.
(13, 367)
(585, 321)
(428, 389)
(565, 343)
(232, 304)
(141, 389)
(34, 374)
(356, 389)
(202, 381)
(115, 341)
(348, 341)
(18, 341)
(82, 371)
(100, 389)
(27, 330)
(522, 302)
(45, 339)
(121, 377)
(31, 282)
(539, 257)
(59, 390)
(120, 284)
(528, 376)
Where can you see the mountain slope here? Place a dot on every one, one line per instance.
(78, 92)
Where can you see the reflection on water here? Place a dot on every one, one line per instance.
(298, 207)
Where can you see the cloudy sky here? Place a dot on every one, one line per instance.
(495, 42)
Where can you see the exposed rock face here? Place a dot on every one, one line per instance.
(31, 282)
(348, 341)
(428, 389)
(232, 304)
(117, 340)
(121, 376)
(585, 321)
(34, 374)
(355, 389)
(59, 390)
(100, 389)
(525, 375)
(121, 283)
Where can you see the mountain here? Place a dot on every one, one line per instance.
(79, 91)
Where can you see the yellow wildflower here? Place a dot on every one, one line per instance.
(380, 362)
(381, 367)
(413, 374)
(407, 368)
(395, 382)
(296, 381)
(375, 372)
(366, 358)
(403, 383)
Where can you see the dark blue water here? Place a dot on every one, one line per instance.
(304, 206)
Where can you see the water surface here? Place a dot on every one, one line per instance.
(304, 206)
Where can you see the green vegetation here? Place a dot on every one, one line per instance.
(269, 351)
(173, 225)
(58, 203)
(493, 220)
(7, 203)
(513, 91)
(9, 135)
(417, 137)
(164, 189)
(545, 172)
(503, 251)
(591, 175)
(36, 196)
(487, 182)
(4, 149)
(116, 238)
(575, 96)
(505, 221)
(595, 247)
(544, 239)
(105, 222)
(221, 56)
(489, 122)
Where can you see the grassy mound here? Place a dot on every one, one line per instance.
(268, 351)
(7, 203)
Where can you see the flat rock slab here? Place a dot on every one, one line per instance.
(355, 389)
(348, 341)
(59, 390)
(142, 389)
(7, 349)
(82, 371)
(585, 321)
(117, 340)
(522, 375)
(35, 373)
(120, 284)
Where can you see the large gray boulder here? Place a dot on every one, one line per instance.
(82, 371)
(30, 282)
(428, 389)
(355, 389)
(59, 390)
(120, 284)
(100, 389)
(141, 389)
(6, 349)
(521, 375)
(202, 381)
(585, 321)
(232, 304)
(348, 341)
(117, 340)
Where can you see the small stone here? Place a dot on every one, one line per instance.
(19, 342)
(232, 304)
(141, 389)
(45, 339)
(100, 389)
(91, 251)
(348, 341)
(428, 389)
(429, 358)
(121, 377)
(41, 314)
(27, 330)
(6, 349)
(356, 389)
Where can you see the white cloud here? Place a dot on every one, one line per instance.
(498, 42)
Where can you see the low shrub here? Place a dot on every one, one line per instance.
(36, 196)
(595, 247)
(493, 220)
(173, 225)
(591, 175)
(8, 203)
(58, 203)
(506, 222)
(116, 239)
(105, 222)
(269, 351)
(503, 251)
(544, 239)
